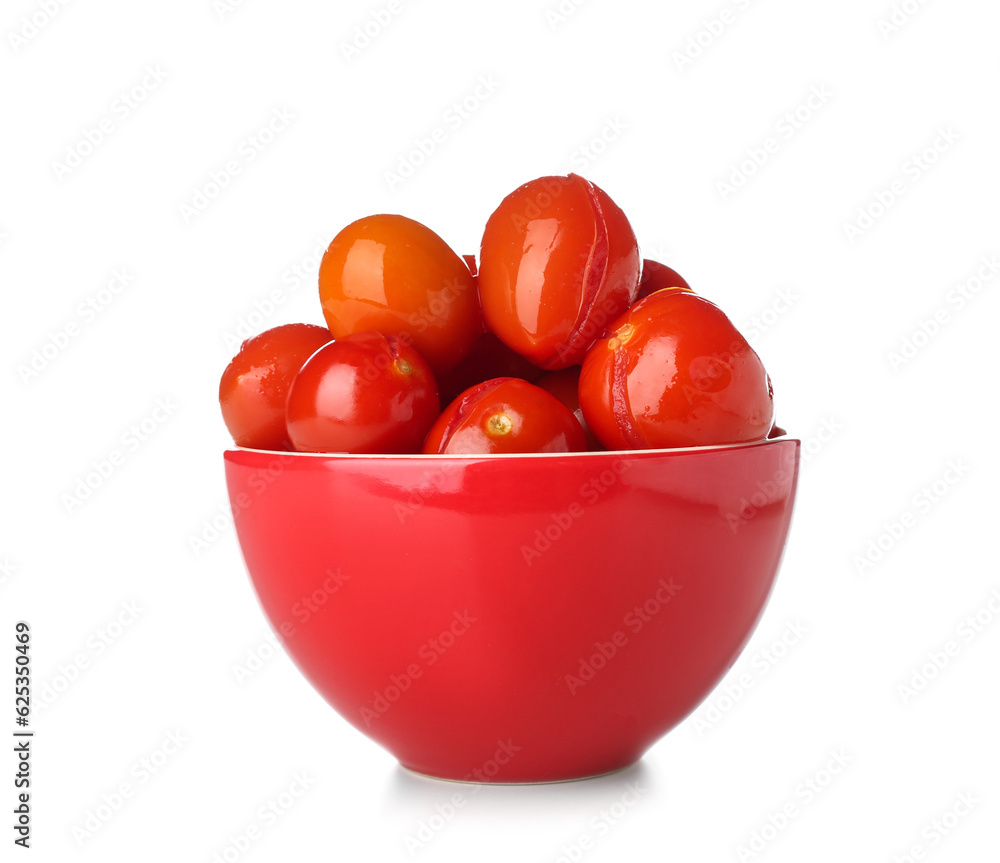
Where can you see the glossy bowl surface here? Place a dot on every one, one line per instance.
(520, 618)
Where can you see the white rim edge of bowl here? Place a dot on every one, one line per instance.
(511, 455)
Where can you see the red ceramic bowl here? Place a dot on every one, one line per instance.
(518, 618)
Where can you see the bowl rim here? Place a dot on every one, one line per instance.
(785, 438)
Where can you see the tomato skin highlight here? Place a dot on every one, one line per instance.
(657, 277)
(558, 260)
(673, 371)
(366, 393)
(394, 275)
(505, 415)
(255, 384)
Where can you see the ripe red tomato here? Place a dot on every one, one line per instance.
(673, 372)
(565, 386)
(366, 393)
(558, 262)
(657, 276)
(255, 384)
(505, 415)
(395, 276)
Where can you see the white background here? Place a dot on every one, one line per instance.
(831, 307)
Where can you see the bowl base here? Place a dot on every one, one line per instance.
(526, 782)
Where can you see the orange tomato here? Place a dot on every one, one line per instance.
(395, 276)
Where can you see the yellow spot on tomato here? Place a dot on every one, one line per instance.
(499, 424)
(621, 336)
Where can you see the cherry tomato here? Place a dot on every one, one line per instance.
(395, 276)
(673, 372)
(565, 386)
(505, 415)
(657, 276)
(255, 384)
(558, 262)
(489, 358)
(366, 393)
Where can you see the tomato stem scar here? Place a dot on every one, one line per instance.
(499, 424)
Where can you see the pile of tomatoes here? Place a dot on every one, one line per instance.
(561, 340)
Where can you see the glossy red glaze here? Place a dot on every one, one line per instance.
(464, 622)
(558, 262)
